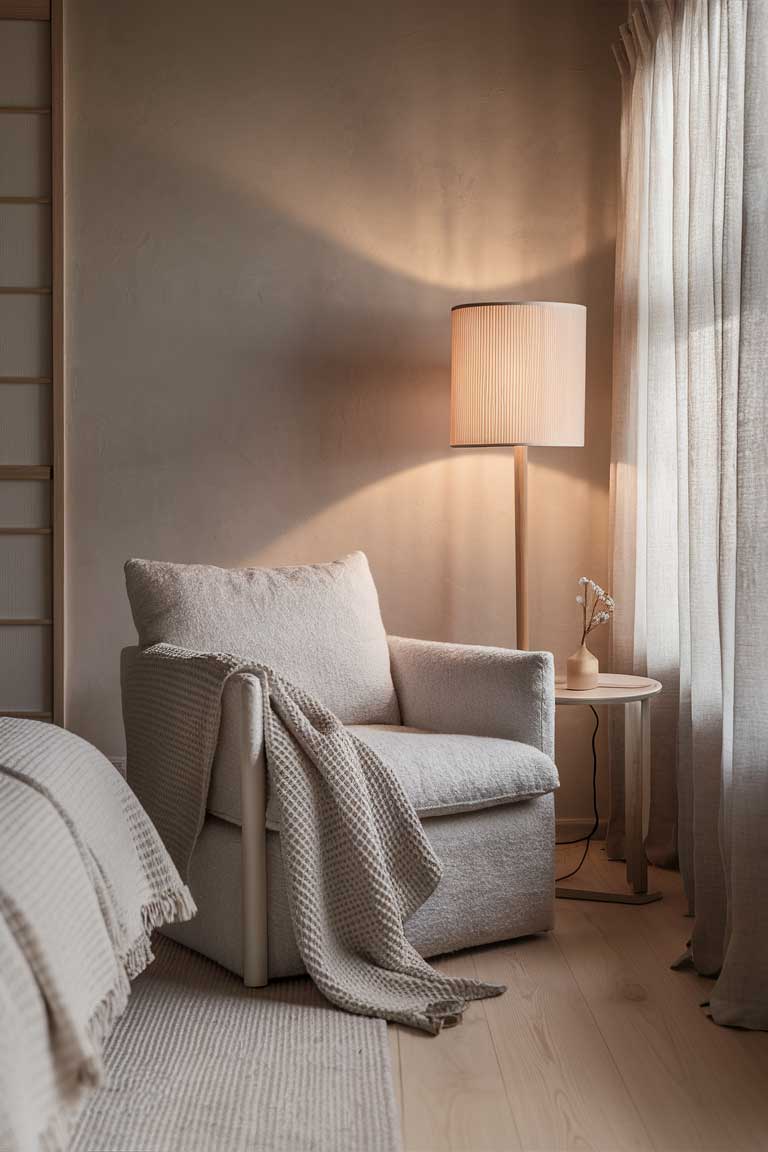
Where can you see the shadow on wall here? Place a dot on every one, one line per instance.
(244, 442)
(253, 418)
(262, 264)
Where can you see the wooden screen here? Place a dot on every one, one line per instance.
(31, 385)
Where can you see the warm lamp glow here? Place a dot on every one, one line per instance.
(517, 374)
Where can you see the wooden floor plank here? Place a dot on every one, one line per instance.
(565, 1090)
(596, 1045)
(664, 923)
(453, 1094)
(667, 927)
(691, 1081)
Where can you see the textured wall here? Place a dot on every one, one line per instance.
(271, 210)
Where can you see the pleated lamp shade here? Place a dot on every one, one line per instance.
(517, 374)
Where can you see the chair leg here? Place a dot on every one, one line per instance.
(254, 843)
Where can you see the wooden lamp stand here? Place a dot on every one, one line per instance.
(521, 546)
(517, 379)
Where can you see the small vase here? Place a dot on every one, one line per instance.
(582, 670)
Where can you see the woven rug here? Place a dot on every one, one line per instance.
(199, 1063)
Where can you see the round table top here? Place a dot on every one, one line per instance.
(611, 689)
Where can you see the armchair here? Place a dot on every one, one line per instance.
(469, 731)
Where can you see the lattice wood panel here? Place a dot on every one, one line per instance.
(31, 356)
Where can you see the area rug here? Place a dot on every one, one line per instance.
(199, 1063)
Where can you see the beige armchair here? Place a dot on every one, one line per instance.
(468, 730)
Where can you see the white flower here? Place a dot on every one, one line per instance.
(583, 580)
(579, 599)
(609, 602)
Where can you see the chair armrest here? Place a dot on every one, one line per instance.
(150, 732)
(234, 788)
(241, 720)
(476, 691)
(238, 793)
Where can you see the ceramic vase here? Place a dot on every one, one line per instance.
(582, 670)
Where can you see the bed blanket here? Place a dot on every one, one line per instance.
(356, 858)
(84, 878)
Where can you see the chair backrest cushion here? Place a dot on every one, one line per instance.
(319, 625)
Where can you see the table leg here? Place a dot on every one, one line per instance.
(636, 753)
(645, 737)
(637, 799)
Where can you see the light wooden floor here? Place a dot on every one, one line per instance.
(597, 1044)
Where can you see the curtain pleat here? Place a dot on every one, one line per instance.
(741, 993)
(660, 573)
(643, 469)
(689, 475)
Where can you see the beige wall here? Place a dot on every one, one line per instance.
(271, 210)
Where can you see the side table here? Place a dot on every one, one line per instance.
(635, 693)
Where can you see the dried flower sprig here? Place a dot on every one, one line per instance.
(596, 605)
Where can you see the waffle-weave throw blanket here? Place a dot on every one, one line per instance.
(356, 859)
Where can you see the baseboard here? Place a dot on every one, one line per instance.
(570, 827)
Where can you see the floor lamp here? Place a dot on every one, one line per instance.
(517, 379)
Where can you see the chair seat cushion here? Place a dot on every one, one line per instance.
(445, 774)
(441, 774)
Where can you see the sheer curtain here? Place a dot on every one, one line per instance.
(689, 472)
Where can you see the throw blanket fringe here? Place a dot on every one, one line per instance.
(356, 858)
(57, 1134)
(169, 907)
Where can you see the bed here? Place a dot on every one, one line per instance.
(84, 879)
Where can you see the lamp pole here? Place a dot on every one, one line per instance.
(521, 546)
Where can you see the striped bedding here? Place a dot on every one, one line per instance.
(84, 878)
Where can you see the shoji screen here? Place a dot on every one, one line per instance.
(31, 418)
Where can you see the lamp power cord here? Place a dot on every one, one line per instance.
(586, 840)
